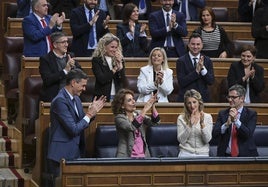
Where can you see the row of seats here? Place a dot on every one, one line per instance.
(162, 141)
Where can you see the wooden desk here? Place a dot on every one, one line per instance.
(235, 30)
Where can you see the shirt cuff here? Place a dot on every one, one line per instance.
(66, 72)
(223, 128)
(86, 118)
(204, 71)
(129, 35)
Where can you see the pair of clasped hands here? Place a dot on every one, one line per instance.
(233, 115)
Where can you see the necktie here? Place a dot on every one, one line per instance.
(195, 62)
(44, 24)
(75, 107)
(91, 42)
(169, 33)
(142, 4)
(234, 144)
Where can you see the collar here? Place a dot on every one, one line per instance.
(58, 56)
(165, 12)
(70, 95)
(192, 56)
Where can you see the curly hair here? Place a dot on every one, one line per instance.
(119, 100)
(103, 42)
(162, 50)
(194, 94)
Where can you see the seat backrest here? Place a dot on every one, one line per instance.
(238, 44)
(10, 10)
(174, 94)
(132, 85)
(87, 95)
(162, 140)
(13, 47)
(106, 141)
(260, 136)
(221, 13)
(32, 87)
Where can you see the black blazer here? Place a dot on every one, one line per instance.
(132, 48)
(51, 76)
(104, 77)
(256, 85)
(246, 142)
(80, 29)
(188, 78)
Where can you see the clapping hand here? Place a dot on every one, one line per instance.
(96, 106)
(200, 64)
(70, 63)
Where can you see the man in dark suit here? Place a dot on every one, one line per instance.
(235, 126)
(68, 121)
(194, 70)
(24, 8)
(37, 27)
(189, 8)
(54, 67)
(167, 27)
(144, 6)
(88, 25)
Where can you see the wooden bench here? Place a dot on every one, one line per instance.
(165, 172)
(168, 112)
(235, 30)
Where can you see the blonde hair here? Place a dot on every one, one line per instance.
(100, 50)
(194, 94)
(162, 50)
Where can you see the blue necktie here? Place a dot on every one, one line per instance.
(91, 34)
(142, 4)
(169, 33)
(75, 107)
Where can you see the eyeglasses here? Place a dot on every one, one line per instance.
(62, 42)
(232, 97)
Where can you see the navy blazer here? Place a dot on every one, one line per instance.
(104, 77)
(256, 85)
(188, 78)
(51, 76)
(157, 27)
(246, 142)
(66, 133)
(35, 44)
(132, 48)
(80, 29)
(23, 8)
(193, 6)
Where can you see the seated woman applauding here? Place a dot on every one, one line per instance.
(130, 124)
(194, 127)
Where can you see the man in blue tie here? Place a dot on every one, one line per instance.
(145, 7)
(167, 27)
(88, 25)
(189, 8)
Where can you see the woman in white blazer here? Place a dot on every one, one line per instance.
(155, 77)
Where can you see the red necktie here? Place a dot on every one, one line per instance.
(234, 144)
(44, 24)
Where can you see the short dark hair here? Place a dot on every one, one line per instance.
(250, 48)
(195, 35)
(75, 74)
(241, 91)
(56, 35)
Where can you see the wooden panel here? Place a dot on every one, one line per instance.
(235, 30)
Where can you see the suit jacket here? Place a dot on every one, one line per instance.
(35, 44)
(146, 84)
(66, 6)
(126, 133)
(80, 29)
(188, 78)
(136, 2)
(137, 47)
(51, 75)
(193, 6)
(66, 133)
(23, 8)
(246, 142)
(157, 27)
(104, 77)
(256, 85)
(259, 32)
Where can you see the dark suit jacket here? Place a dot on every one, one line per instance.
(81, 29)
(66, 134)
(23, 8)
(132, 48)
(104, 77)
(136, 2)
(256, 85)
(193, 6)
(51, 76)
(35, 44)
(66, 6)
(259, 32)
(246, 142)
(188, 78)
(157, 27)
